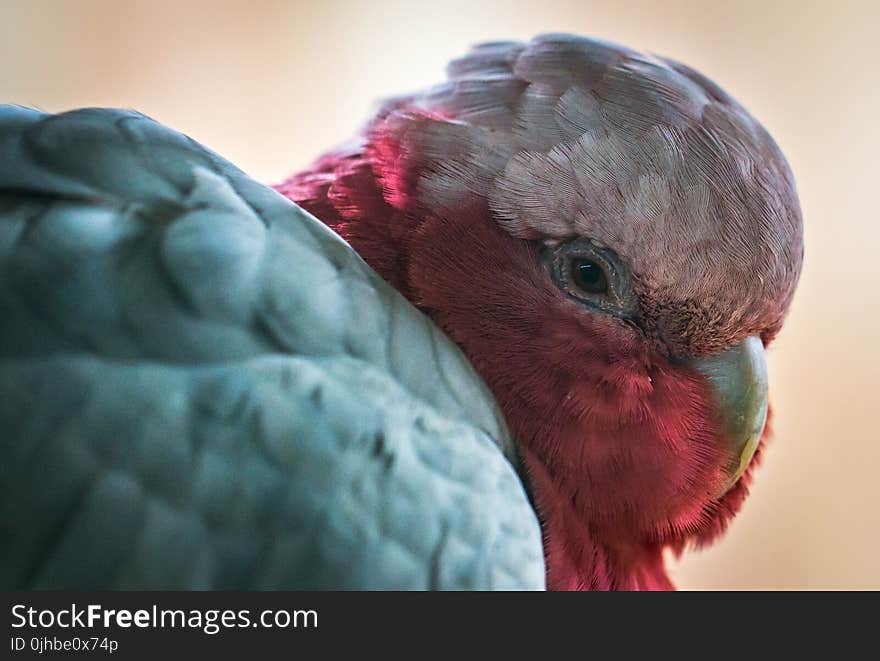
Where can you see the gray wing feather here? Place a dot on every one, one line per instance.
(201, 386)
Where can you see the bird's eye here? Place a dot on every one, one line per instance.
(592, 275)
(589, 276)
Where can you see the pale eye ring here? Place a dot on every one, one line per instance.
(594, 276)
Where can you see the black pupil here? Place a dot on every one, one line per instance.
(589, 276)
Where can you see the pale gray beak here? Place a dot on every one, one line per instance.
(738, 377)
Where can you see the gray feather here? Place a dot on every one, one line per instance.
(203, 387)
(597, 140)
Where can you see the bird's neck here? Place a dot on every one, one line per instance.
(341, 190)
(580, 557)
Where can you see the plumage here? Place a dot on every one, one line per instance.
(536, 358)
(203, 387)
(459, 209)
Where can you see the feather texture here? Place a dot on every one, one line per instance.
(459, 197)
(569, 136)
(201, 386)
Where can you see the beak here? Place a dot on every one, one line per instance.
(738, 377)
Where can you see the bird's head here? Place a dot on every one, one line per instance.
(612, 240)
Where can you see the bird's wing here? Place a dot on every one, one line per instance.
(203, 387)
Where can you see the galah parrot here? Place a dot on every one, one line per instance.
(534, 358)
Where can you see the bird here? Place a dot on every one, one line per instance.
(510, 337)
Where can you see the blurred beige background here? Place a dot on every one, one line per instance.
(271, 84)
